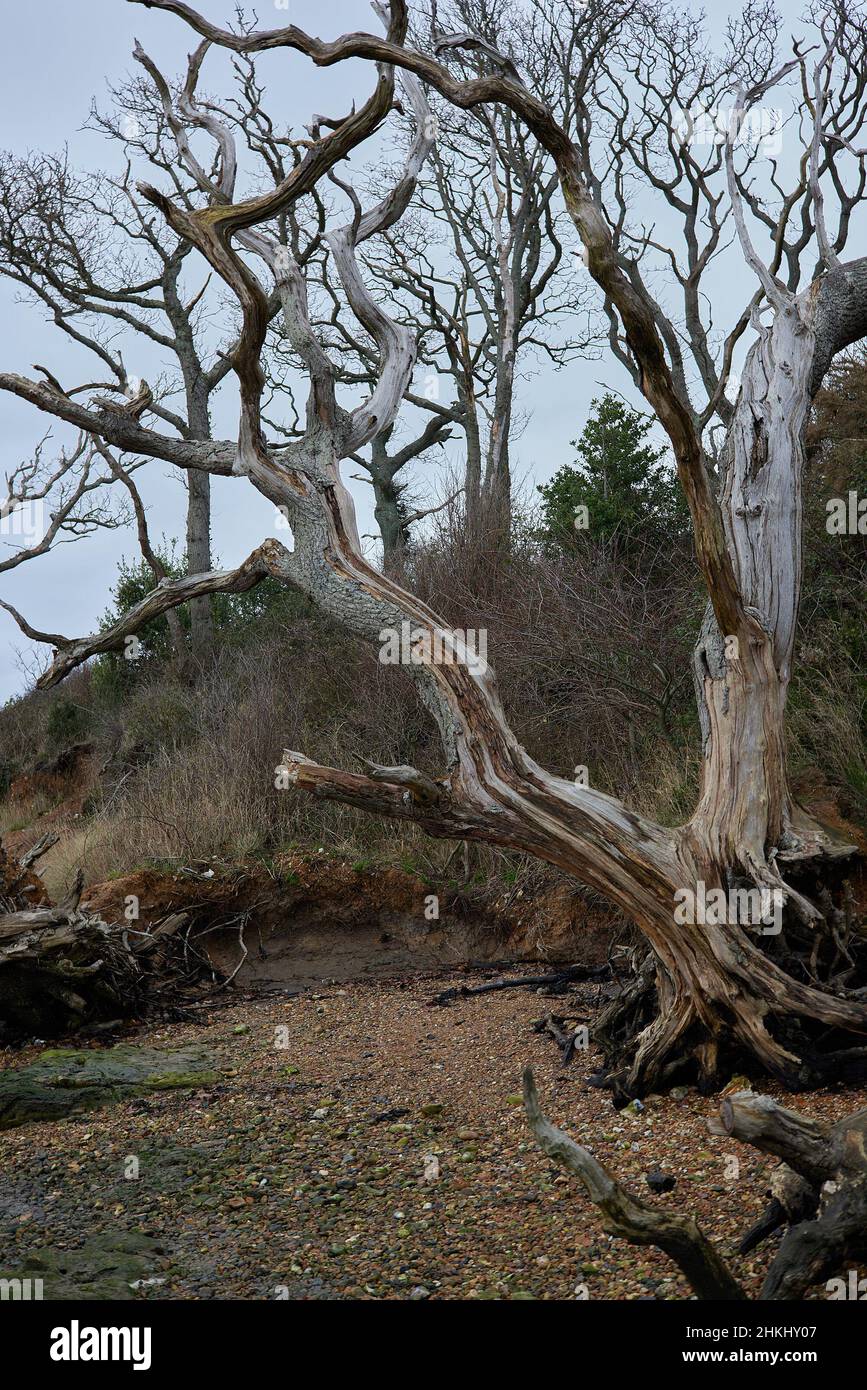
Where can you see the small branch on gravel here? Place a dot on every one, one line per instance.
(566, 1038)
(560, 977)
(627, 1216)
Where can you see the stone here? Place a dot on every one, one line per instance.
(109, 1266)
(658, 1181)
(64, 1081)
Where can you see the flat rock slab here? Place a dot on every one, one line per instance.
(111, 1266)
(64, 1081)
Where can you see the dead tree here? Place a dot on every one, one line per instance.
(487, 264)
(117, 281)
(821, 1181)
(387, 458)
(720, 987)
(80, 247)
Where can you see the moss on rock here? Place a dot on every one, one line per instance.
(63, 1081)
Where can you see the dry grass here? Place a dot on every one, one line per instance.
(592, 653)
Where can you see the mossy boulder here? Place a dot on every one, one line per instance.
(64, 1081)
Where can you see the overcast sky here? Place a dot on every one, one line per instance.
(56, 59)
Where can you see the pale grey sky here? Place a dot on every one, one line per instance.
(56, 58)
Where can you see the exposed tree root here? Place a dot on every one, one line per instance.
(60, 969)
(64, 970)
(791, 1004)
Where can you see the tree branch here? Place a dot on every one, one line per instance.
(270, 558)
(626, 1216)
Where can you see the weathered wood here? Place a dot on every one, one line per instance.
(820, 1191)
(793, 1199)
(42, 846)
(624, 1215)
(60, 968)
(804, 1144)
(557, 977)
(15, 924)
(144, 943)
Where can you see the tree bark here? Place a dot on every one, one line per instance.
(390, 516)
(199, 561)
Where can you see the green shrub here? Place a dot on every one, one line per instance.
(67, 723)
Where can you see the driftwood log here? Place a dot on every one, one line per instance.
(62, 968)
(821, 1186)
(819, 1191)
(553, 981)
(59, 967)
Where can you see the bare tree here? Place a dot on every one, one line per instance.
(80, 247)
(113, 277)
(487, 265)
(386, 458)
(787, 1000)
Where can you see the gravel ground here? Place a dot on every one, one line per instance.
(364, 1145)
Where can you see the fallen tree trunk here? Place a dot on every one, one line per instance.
(60, 968)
